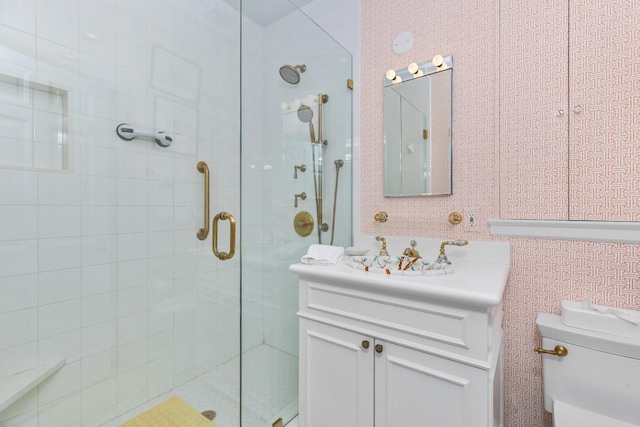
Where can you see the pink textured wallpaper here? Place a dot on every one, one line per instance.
(512, 155)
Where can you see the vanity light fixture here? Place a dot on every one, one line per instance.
(415, 70)
(393, 77)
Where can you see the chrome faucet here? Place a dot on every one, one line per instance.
(383, 250)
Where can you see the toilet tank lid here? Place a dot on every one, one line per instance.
(551, 326)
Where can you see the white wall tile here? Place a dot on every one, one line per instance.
(64, 412)
(18, 257)
(99, 220)
(19, 14)
(99, 397)
(99, 367)
(59, 189)
(18, 358)
(132, 219)
(59, 285)
(100, 308)
(18, 328)
(59, 318)
(60, 253)
(65, 382)
(18, 222)
(99, 279)
(132, 246)
(132, 301)
(66, 346)
(132, 328)
(132, 355)
(18, 187)
(18, 292)
(99, 338)
(58, 27)
(59, 221)
(99, 250)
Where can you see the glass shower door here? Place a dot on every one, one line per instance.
(101, 271)
(296, 188)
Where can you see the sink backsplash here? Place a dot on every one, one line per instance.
(476, 251)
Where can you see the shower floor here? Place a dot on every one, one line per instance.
(270, 384)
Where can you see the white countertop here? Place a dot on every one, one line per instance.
(473, 283)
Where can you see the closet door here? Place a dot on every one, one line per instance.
(604, 110)
(533, 117)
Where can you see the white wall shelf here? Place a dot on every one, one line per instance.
(17, 385)
(587, 231)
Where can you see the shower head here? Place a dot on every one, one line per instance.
(339, 163)
(305, 115)
(291, 73)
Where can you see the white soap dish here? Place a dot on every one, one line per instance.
(351, 251)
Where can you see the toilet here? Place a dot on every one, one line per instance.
(597, 383)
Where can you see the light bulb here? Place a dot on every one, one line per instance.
(437, 61)
(391, 75)
(413, 68)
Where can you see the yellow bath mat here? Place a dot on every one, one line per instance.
(174, 412)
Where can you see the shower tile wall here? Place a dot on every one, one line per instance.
(99, 264)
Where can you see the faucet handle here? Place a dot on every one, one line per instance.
(383, 250)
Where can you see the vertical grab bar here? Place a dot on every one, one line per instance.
(204, 232)
(223, 256)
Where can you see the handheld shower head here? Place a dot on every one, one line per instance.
(291, 73)
(305, 115)
(339, 163)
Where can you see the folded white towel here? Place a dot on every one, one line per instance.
(323, 255)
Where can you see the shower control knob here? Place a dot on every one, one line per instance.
(365, 344)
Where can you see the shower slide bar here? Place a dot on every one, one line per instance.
(127, 132)
(204, 169)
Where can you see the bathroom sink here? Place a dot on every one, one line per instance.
(599, 318)
(398, 265)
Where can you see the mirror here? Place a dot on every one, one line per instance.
(417, 130)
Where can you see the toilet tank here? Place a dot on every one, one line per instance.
(601, 372)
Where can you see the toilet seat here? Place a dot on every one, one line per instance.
(565, 415)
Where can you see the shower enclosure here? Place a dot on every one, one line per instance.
(110, 299)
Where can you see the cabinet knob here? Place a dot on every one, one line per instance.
(365, 344)
(578, 109)
(560, 113)
(378, 348)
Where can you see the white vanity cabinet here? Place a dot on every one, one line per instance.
(377, 351)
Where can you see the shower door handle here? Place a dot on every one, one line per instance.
(223, 256)
(204, 232)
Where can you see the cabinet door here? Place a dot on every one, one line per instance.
(604, 110)
(336, 377)
(533, 104)
(418, 389)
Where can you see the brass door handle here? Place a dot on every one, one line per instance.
(559, 350)
(223, 256)
(204, 232)
(379, 348)
(365, 344)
